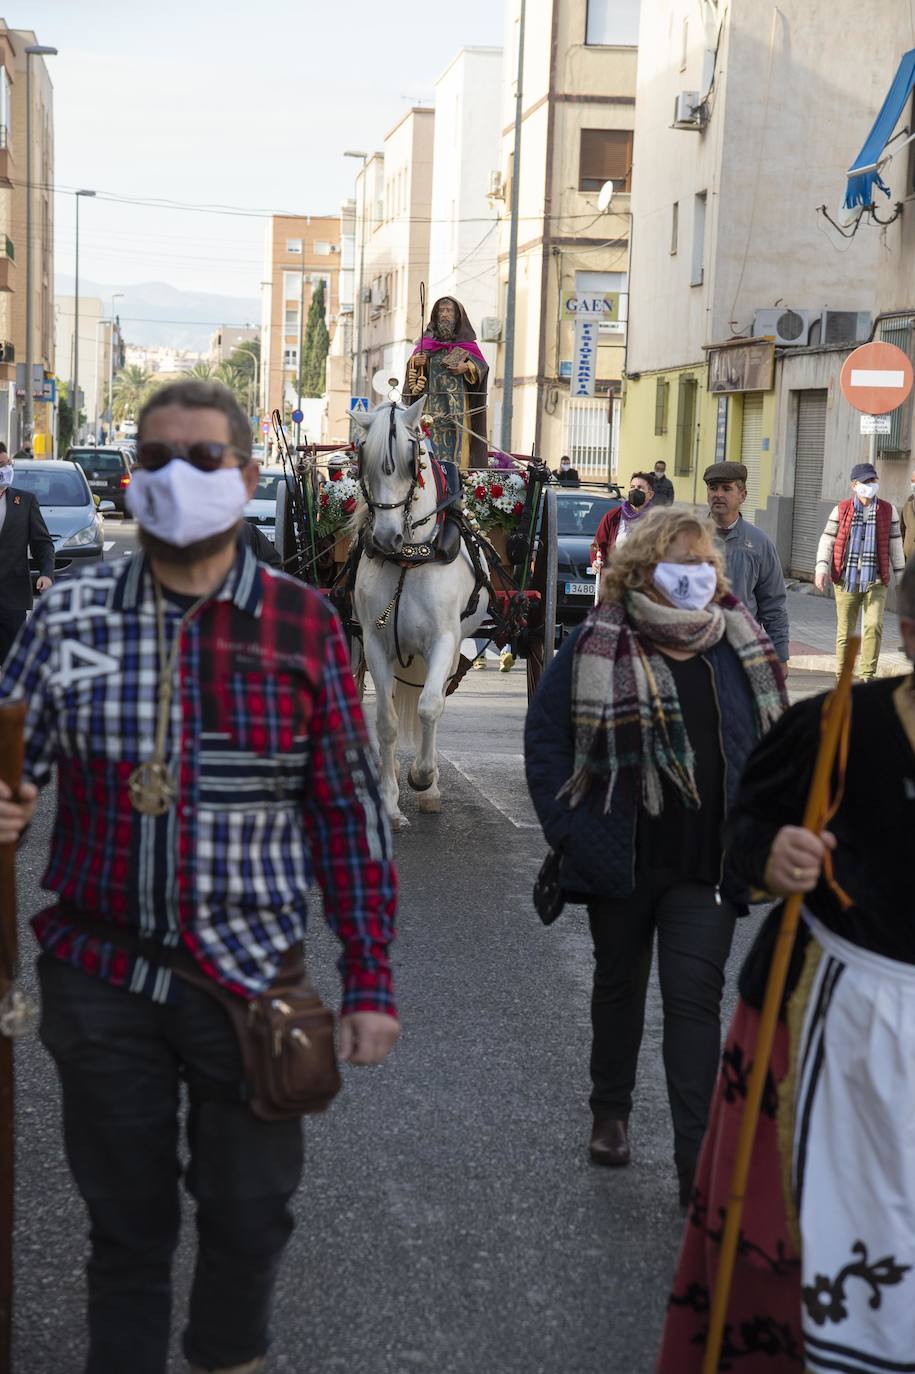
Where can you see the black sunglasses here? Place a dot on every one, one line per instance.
(153, 455)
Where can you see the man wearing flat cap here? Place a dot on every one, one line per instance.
(753, 568)
(861, 552)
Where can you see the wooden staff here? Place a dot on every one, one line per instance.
(12, 719)
(835, 716)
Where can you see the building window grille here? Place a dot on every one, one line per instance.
(898, 443)
(661, 405)
(605, 155)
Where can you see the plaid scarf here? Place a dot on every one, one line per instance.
(861, 569)
(625, 708)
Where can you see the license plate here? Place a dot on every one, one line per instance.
(579, 589)
(98, 484)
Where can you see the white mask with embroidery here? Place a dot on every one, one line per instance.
(182, 505)
(6, 476)
(688, 586)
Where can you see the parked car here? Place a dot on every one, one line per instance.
(107, 472)
(261, 509)
(74, 521)
(580, 511)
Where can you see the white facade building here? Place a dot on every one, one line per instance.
(92, 350)
(467, 154)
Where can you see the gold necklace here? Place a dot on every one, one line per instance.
(152, 786)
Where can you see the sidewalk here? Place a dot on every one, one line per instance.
(812, 621)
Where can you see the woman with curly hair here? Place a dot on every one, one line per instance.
(634, 747)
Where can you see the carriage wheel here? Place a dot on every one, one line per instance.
(545, 580)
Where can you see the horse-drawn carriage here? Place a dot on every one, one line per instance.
(415, 576)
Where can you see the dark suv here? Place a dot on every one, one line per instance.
(107, 472)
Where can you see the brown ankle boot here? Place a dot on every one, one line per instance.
(610, 1143)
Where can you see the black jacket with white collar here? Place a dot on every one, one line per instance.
(23, 530)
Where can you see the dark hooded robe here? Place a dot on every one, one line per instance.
(456, 402)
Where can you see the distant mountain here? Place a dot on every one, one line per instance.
(156, 313)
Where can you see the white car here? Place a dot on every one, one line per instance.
(261, 509)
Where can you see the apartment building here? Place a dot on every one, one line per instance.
(577, 121)
(747, 116)
(93, 374)
(227, 337)
(393, 209)
(465, 214)
(300, 251)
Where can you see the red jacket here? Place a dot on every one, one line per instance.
(840, 547)
(607, 532)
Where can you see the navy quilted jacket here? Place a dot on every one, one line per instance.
(598, 849)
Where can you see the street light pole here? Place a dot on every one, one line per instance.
(358, 380)
(33, 50)
(74, 395)
(298, 424)
(508, 370)
(240, 348)
(117, 296)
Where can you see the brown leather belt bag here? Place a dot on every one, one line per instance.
(285, 1035)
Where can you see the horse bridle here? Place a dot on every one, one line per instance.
(389, 467)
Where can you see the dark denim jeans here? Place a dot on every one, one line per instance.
(694, 940)
(122, 1059)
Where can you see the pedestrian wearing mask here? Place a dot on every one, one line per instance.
(663, 486)
(616, 525)
(907, 522)
(860, 550)
(22, 531)
(567, 476)
(212, 761)
(634, 746)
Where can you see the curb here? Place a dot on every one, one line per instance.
(888, 665)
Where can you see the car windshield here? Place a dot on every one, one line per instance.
(52, 488)
(266, 487)
(98, 463)
(581, 514)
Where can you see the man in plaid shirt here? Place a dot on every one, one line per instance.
(212, 761)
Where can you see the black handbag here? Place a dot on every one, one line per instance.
(549, 898)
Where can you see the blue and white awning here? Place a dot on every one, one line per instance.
(864, 173)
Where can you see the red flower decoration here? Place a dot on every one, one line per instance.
(349, 505)
(337, 475)
(496, 490)
(325, 499)
(479, 493)
(517, 508)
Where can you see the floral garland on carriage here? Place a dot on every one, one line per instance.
(338, 496)
(495, 499)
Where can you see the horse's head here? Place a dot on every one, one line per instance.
(389, 457)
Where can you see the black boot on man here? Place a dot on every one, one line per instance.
(610, 1143)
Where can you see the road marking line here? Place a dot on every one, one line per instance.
(867, 376)
(519, 825)
(108, 544)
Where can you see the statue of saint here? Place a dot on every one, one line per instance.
(449, 368)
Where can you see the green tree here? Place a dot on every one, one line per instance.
(131, 388)
(64, 419)
(313, 374)
(202, 372)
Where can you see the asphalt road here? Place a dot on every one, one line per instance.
(449, 1219)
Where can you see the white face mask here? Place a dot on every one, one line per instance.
(867, 490)
(688, 586)
(182, 505)
(6, 476)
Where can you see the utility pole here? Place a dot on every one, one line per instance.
(118, 295)
(33, 50)
(508, 370)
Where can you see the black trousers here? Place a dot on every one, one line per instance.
(10, 624)
(694, 940)
(121, 1059)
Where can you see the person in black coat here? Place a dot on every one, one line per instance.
(634, 745)
(260, 544)
(22, 529)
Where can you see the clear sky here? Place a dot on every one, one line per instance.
(246, 105)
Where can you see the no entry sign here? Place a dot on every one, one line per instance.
(876, 378)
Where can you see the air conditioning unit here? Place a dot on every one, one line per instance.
(490, 329)
(496, 186)
(845, 326)
(688, 112)
(796, 328)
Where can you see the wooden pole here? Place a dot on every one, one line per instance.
(834, 716)
(12, 719)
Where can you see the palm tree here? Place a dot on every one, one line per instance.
(202, 372)
(131, 387)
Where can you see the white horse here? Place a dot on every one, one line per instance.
(417, 614)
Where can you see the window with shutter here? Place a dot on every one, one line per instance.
(661, 403)
(605, 155)
(898, 443)
(686, 425)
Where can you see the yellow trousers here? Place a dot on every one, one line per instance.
(848, 605)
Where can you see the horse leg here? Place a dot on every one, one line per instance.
(423, 776)
(382, 672)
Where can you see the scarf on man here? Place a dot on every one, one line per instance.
(861, 568)
(625, 708)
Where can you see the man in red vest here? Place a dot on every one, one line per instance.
(861, 551)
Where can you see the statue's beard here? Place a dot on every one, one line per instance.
(444, 330)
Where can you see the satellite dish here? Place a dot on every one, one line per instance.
(383, 385)
(605, 197)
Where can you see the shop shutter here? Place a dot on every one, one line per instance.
(808, 481)
(751, 448)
